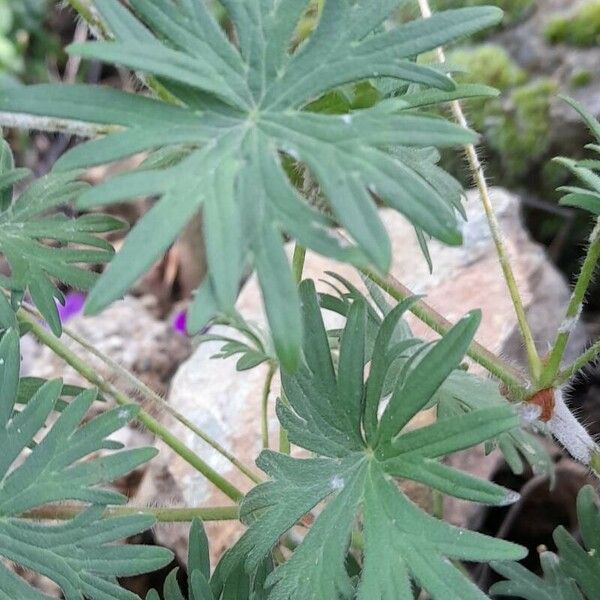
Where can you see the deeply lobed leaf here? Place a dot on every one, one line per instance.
(355, 475)
(243, 113)
(573, 574)
(42, 248)
(40, 467)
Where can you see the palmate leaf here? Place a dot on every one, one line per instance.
(81, 555)
(521, 583)
(42, 249)
(573, 574)
(241, 110)
(360, 455)
(460, 394)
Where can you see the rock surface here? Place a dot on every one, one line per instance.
(126, 332)
(226, 404)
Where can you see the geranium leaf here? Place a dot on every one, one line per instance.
(351, 477)
(251, 106)
(81, 555)
(43, 249)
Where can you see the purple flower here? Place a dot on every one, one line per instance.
(73, 306)
(180, 322)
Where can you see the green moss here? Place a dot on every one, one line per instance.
(519, 128)
(513, 9)
(580, 78)
(488, 64)
(516, 126)
(579, 29)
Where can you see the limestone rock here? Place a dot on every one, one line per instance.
(126, 332)
(226, 404)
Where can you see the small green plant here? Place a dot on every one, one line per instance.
(79, 555)
(10, 61)
(579, 29)
(487, 63)
(517, 124)
(580, 78)
(277, 119)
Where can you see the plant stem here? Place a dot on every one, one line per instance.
(511, 377)
(84, 10)
(55, 125)
(66, 512)
(48, 339)
(573, 310)
(476, 168)
(151, 395)
(298, 262)
(570, 371)
(265, 404)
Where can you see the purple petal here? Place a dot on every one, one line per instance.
(180, 322)
(73, 306)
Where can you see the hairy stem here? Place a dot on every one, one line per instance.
(573, 310)
(54, 125)
(476, 168)
(511, 377)
(265, 405)
(85, 11)
(570, 371)
(65, 512)
(151, 395)
(48, 339)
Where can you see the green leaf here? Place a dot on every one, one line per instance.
(246, 116)
(459, 395)
(351, 477)
(236, 586)
(43, 248)
(521, 583)
(589, 119)
(424, 380)
(583, 566)
(587, 201)
(463, 393)
(280, 297)
(588, 171)
(198, 555)
(572, 575)
(81, 555)
(7, 166)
